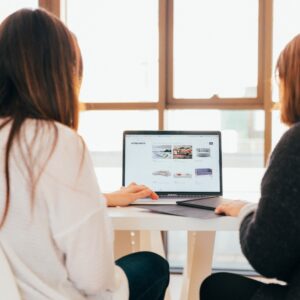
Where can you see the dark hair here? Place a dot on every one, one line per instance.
(40, 74)
(288, 70)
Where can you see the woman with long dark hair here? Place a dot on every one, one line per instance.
(54, 226)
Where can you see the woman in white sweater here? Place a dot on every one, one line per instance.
(54, 225)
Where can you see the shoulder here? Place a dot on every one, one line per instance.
(65, 158)
(49, 133)
(68, 137)
(31, 125)
(291, 135)
(289, 144)
(67, 132)
(36, 135)
(64, 133)
(284, 164)
(51, 142)
(292, 132)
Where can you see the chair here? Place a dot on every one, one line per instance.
(8, 286)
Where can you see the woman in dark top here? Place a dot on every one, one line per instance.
(270, 235)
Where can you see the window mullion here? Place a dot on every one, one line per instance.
(265, 42)
(163, 61)
(51, 5)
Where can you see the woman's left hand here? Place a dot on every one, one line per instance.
(129, 194)
(230, 208)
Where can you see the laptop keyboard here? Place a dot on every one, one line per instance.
(185, 196)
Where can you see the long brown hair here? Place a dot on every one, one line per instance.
(40, 74)
(288, 70)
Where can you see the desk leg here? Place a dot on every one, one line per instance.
(127, 242)
(199, 263)
(132, 241)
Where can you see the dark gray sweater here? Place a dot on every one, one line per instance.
(270, 237)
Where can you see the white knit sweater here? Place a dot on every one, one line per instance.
(60, 246)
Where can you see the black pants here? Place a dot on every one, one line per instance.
(147, 273)
(228, 286)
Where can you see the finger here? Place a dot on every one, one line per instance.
(132, 184)
(220, 209)
(143, 194)
(136, 188)
(154, 196)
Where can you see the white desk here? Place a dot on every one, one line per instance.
(137, 229)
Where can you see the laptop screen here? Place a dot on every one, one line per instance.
(179, 162)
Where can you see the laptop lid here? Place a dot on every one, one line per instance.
(174, 162)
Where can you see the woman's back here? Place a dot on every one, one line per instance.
(54, 226)
(43, 228)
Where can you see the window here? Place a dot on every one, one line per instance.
(242, 147)
(8, 7)
(215, 53)
(119, 44)
(180, 64)
(102, 131)
(158, 64)
(242, 132)
(286, 26)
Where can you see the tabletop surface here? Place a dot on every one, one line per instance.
(239, 183)
(134, 218)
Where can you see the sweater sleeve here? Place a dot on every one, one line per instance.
(270, 236)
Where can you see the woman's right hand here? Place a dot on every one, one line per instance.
(129, 194)
(230, 208)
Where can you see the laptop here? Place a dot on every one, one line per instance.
(177, 165)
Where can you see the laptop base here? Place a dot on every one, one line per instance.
(167, 200)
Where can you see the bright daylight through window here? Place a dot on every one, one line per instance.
(181, 65)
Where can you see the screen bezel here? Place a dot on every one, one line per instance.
(175, 132)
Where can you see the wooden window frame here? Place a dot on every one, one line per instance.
(51, 5)
(166, 101)
(214, 101)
